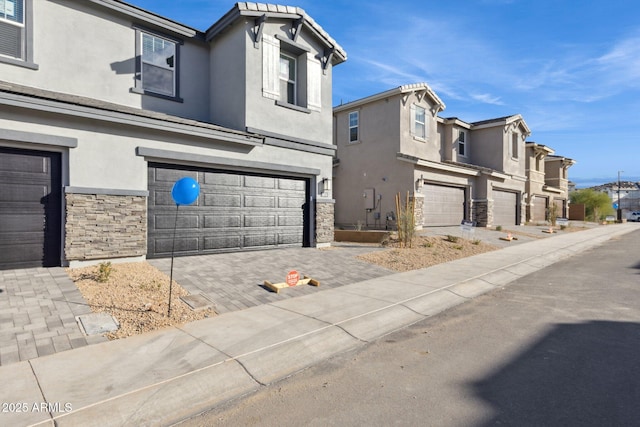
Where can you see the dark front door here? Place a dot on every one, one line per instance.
(30, 208)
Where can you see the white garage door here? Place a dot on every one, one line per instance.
(504, 208)
(443, 205)
(234, 211)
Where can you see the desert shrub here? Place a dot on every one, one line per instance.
(498, 228)
(452, 239)
(405, 220)
(104, 271)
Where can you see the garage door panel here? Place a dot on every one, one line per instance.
(222, 221)
(212, 243)
(19, 192)
(259, 202)
(443, 205)
(235, 212)
(222, 200)
(222, 179)
(172, 175)
(259, 182)
(287, 184)
(259, 221)
(259, 240)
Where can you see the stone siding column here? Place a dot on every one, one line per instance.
(102, 226)
(418, 218)
(325, 218)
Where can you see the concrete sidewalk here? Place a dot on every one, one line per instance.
(162, 377)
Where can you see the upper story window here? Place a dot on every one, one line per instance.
(514, 145)
(354, 126)
(16, 32)
(290, 74)
(157, 65)
(418, 122)
(462, 143)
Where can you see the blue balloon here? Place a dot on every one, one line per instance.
(185, 191)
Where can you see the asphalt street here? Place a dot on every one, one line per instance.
(558, 347)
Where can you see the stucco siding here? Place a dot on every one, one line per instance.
(87, 50)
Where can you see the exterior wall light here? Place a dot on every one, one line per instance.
(326, 185)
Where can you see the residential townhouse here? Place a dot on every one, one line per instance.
(547, 183)
(395, 142)
(104, 105)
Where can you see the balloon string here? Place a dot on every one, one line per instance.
(173, 248)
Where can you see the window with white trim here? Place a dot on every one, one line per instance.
(290, 74)
(354, 126)
(16, 32)
(462, 143)
(418, 121)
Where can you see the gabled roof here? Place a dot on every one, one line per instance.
(565, 160)
(422, 89)
(515, 119)
(539, 148)
(266, 11)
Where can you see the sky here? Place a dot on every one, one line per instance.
(571, 69)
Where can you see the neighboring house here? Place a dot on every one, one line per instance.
(95, 130)
(547, 183)
(629, 195)
(394, 142)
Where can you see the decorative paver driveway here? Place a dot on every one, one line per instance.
(234, 281)
(38, 309)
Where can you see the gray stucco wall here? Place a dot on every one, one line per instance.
(228, 77)
(103, 67)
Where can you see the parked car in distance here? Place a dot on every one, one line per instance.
(634, 216)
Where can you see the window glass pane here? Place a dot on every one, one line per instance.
(461, 137)
(287, 68)
(353, 119)
(158, 51)
(12, 10)
(353, 134)
(157, 79)
(419, 125)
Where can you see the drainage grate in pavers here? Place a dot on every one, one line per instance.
(197, 302)
(97, 323)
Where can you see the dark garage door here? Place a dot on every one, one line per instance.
(234, 212)
(30, 208)
(443, 205)
(504, 208)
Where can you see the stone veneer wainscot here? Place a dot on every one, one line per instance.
(324, 221)
(105, 226)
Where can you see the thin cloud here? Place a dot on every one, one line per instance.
(487, 98)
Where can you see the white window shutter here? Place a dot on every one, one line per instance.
(314, 84)
(413, 119)
(270, 67)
